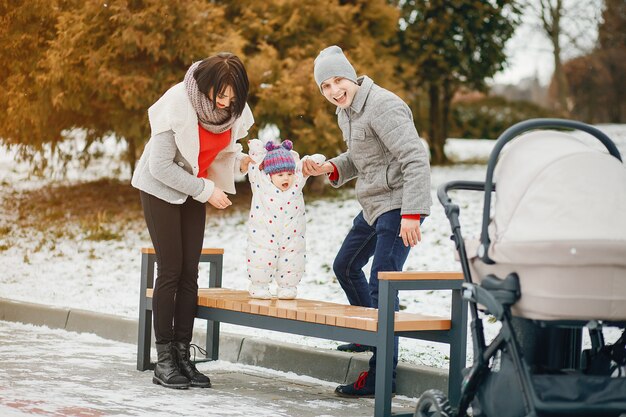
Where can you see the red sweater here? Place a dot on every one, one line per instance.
(210, 145)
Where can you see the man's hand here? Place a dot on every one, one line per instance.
(310, 167)
(245, 162)
(219, 200)
(410, 232)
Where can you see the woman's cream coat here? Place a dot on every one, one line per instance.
(168, 168)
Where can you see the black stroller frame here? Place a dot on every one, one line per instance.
(498, 295)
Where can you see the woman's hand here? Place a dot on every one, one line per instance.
(410, 232)
(245, 162)
(219, 199)
(310, 167)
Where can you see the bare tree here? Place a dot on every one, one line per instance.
(568, 24)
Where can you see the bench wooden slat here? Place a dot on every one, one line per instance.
(205, 251)
(348, 317)
(287, 309)
(314, 311)
(420, 275)
(413, 321)
(318, 313)
(255, 306)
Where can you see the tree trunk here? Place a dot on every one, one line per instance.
(551, 20)
(561, 81)
(131, 154)
(435, 131)
(445, 106)
(617, 83)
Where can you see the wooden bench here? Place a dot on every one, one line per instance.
(374, 327)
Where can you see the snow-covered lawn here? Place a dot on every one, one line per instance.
(103, 276)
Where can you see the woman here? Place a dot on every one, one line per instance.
(192, 157)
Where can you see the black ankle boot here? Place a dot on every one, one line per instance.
(196, 378)
(166, 372)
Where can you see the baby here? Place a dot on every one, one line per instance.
(276, 227)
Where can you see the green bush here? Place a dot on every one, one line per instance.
(487, 118)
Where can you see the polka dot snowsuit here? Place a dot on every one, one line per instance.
(276, 230)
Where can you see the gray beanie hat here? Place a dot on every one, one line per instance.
(331, 62)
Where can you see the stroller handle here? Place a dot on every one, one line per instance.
(510, 134)
(442, 190)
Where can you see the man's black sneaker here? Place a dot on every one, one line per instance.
(363, 387)
(354, 347)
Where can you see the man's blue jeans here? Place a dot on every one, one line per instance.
(380, 240)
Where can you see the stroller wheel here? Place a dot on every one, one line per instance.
(433, 403)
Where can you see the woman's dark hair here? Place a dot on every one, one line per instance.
(220, 71)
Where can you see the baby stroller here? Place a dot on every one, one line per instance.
(551, 262)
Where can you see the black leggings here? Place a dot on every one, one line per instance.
(177, 232)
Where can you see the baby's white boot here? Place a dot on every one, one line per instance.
(286, 293)
(259, 291)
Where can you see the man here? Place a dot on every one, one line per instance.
(386, 155)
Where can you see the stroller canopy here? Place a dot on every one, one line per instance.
(559, 223)
(558, 201)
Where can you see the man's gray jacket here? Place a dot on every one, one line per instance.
(384, 153)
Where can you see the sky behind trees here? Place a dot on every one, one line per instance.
(530, 52)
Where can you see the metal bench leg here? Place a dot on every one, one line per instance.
(458, 346)
(384, 349)
(145, 314)
(213, 327)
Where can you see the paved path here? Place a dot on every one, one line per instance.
(57, 373)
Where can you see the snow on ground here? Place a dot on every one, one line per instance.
(51, 372)
(104, 276)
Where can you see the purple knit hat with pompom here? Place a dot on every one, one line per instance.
(279, 158)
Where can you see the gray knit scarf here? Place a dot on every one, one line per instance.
(213, 119)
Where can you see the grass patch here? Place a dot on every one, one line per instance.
(96, 208)
(100, 228)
